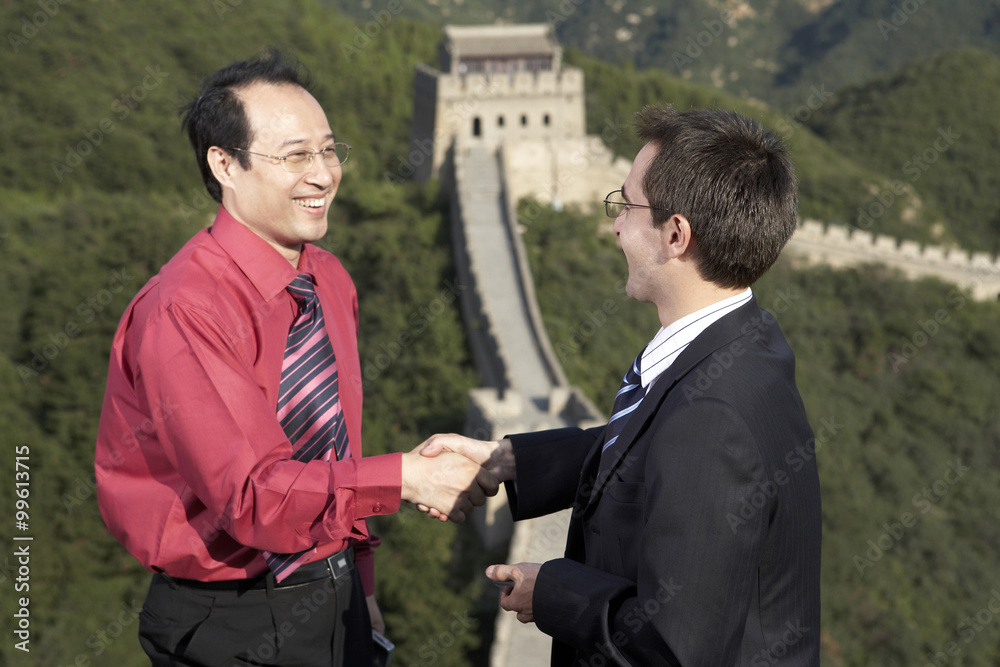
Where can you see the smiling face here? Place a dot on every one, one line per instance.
(641, 241)
(285, 209)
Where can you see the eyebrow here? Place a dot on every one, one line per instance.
(292, 142)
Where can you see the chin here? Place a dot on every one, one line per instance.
(635, 293)
(312, 230)
(630, 290)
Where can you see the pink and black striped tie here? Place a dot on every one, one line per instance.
(308, 399)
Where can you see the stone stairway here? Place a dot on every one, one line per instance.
(494, 261)
(524, 387)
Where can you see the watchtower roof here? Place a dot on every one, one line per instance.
(500, 41)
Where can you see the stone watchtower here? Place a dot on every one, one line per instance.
(506, 87)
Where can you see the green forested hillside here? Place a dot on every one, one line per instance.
(933, 126)
(774, 51)
(901, 383)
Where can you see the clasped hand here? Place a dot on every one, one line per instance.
(495, 458)
(446, 484)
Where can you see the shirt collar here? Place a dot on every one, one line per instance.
(268, 271)
(671, 340)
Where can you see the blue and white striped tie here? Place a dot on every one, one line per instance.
(626, 401)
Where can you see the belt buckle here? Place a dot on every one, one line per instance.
(339, 564)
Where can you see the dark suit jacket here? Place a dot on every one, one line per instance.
(695, 538)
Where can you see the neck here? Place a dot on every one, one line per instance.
(293, 256)
(692, 298)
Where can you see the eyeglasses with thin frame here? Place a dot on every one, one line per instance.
(614, 207)
(299, 161)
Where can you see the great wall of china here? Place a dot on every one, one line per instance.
(842, 247)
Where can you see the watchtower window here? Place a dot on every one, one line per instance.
(524, 120)
(476, 127)
(545, 120)
(500, 121)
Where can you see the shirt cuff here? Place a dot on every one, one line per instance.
(379, 485)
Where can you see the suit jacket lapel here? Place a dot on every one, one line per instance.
(716, 336)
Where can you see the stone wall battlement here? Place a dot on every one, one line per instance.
(840, 246)
(568, 81)
(888, 247)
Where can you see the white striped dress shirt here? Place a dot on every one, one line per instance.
(670, 341)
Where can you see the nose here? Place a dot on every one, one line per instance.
(619, 222)
(322, 174)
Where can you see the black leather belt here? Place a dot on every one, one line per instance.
(333, 567)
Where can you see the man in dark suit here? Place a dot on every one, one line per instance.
(695, 536)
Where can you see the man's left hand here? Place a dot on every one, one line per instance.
(518, 597)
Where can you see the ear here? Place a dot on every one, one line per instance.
(676, 238)
(222, 165)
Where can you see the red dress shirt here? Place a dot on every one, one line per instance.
(194, 473)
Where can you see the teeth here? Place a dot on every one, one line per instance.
(310, 203)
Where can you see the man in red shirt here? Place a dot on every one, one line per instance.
(199, 476)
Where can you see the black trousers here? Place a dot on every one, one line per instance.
(321, 623)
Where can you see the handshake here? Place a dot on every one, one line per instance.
(448, 475)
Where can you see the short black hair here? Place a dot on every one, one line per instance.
(731, 178)
(217, 117)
